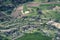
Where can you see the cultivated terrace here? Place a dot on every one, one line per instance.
(29, 19)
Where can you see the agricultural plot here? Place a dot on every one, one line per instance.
(34, 20)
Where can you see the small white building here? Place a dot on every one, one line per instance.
(26, 12)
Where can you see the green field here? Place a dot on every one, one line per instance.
(34, 36)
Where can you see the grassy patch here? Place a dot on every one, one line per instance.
(34, 36)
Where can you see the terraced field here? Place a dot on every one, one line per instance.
(38, 18)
